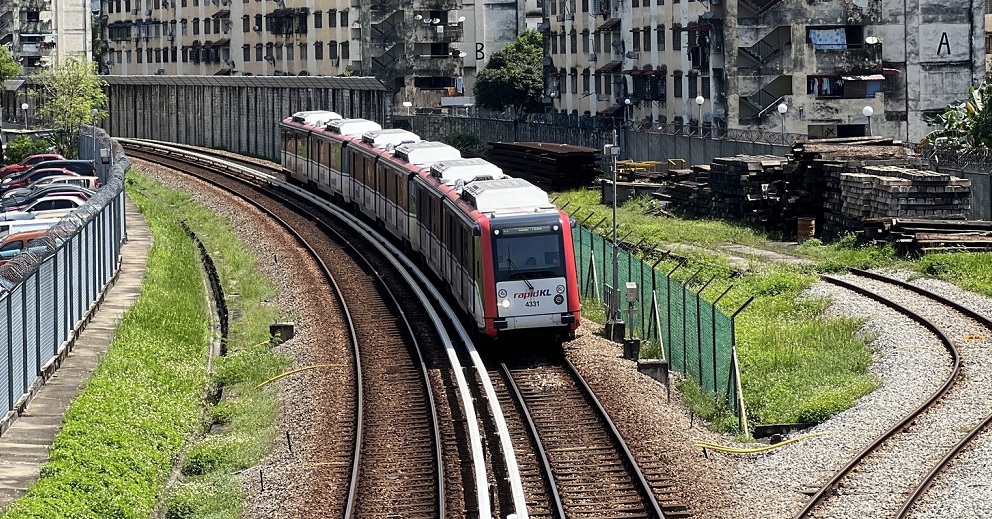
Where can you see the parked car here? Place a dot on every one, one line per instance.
(10, 169)
(17, 198)
(15, 226)
(87, 182)
(85, 168)
(48, 207)
(15, 243)
(33, 175)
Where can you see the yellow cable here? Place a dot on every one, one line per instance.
(295, 371)
(738, 450)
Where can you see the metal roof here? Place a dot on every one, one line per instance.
(337, 82)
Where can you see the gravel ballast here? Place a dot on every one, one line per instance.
(907, 360)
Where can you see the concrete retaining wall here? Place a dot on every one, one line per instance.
(236, 113)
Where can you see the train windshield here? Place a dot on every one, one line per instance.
(533, 252)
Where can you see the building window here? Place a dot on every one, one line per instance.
(677, 84)
(693, 85)
(635, 3)
(206, 26)
(303, 51)
(704, 87)
(585, 6)
(175, 50)
(158, 55)
(573, 42)
(332, 49)
(344, 18)
(140, 55)
(554, 43)
(636, 40)
(196, 26)
(332, 17)
(318, 19)
(676, 36)
(585, 82)
(279, 52)
(216, 25)
(608, 85)
(258, 52)
(246, 53)
(318, 50)
(148, 54)
(258, 22)
(561, 43)
(647, 38)
(345, 50)
(245, 23)
(269, 56)
(574, 81)
(585, 42)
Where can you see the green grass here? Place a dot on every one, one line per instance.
(133, 418)
(109, 463)
(797, 364)
(208, 487)
(971, 271)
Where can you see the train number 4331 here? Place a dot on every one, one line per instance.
(532, 303)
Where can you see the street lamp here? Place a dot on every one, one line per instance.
(94, 113)
(782, 108)
(24, 107)
(613, 151)
(868, 111)
(699, 103)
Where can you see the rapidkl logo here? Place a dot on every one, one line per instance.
(532, 293)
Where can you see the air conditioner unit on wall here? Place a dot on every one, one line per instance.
(592, 56)
(569, 16)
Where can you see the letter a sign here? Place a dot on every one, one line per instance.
(944, 45)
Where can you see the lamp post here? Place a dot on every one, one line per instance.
(94, 113)
(613, 323)
(868, 112)
(628, 107)
(24, 107)
(782, 108)
(699, 103)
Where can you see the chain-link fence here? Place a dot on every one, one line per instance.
(48, 291)
(695, 336)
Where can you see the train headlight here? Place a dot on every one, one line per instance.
(505, 303)
(560, 289)
(502, 292)
(559, 299)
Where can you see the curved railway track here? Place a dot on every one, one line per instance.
(912, 453)
(395, 466)
(573, 461)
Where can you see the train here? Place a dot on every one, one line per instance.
(496, 244)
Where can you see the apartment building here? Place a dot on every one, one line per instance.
(816, 68)
(414, 47)
(39, 33)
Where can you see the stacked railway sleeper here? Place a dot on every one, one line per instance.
(910, 469)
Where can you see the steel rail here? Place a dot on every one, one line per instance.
(352, 334)
(924, 485)
(356, 459)
(827, 489)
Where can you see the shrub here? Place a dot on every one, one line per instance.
(23, 147)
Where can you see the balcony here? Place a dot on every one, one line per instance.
(35, 5)
(848, 58)
(36, 49)
(36, 27)
(441, 33)
(444, 65)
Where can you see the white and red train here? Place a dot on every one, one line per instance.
(501, 249)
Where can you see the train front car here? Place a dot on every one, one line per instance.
(532, 285)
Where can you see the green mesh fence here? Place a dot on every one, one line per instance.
(696, 337)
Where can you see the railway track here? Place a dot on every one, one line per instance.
(580, 466)
(573, 462)
(891, 477)
(394, 464)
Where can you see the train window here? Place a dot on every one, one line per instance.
(529, 253)
(335, 156)
(402, 193)
(436, 218)
(289, 142)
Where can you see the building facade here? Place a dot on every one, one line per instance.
(426, 51)
(822, 69)
(39, 33)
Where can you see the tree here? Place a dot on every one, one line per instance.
(512, 78)
(8, 66)
(68, 93)
(967, 126)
